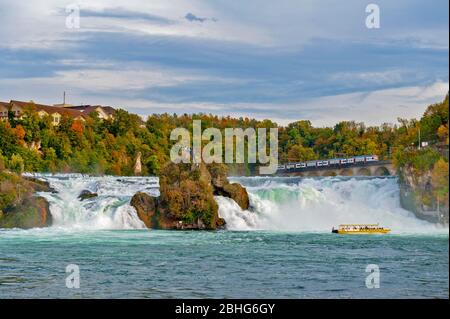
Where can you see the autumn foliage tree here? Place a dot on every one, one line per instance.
(440, 178)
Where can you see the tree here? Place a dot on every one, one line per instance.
(16, 164)
(77, 127)
(443, 133)
(298, 153)
(2, 161)
(439, 179)
(9, 142)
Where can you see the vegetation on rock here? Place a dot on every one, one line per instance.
(19, 207)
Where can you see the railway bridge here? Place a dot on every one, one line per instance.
(375, 168)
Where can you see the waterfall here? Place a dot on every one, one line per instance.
(109, 210)
(277, 203)
(318, 204)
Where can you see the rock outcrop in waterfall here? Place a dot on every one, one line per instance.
(187, 197)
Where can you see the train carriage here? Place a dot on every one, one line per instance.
(334, 161)
(290, 165)
(371, 158)
(311, 164)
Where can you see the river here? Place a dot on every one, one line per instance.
(282, 248)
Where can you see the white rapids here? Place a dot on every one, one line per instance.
(318, 204)
(109, 210)
(277, 203)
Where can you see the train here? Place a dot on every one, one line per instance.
(330, 162)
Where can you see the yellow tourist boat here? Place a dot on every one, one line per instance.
(361, 229)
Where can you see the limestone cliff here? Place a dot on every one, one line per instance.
(418, 194)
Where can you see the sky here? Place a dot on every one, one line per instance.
(287, 60)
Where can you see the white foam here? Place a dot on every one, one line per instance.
(109, 210)
(316, 205)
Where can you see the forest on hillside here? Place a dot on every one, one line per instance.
(98, 146)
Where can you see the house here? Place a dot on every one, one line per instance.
(56, 113)
(17, 110)
(104, 112)
(4, 108)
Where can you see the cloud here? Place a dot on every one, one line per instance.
(95, 86)
(256, 22)
(392, 77)
(315, 62)
(193, 18)
(122, 13)
(375, 108)
(372, 108)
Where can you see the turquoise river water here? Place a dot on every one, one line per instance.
(281, 248)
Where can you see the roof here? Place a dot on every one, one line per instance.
(5, 104)
(109, 110)
(87, 109)
(49, 109)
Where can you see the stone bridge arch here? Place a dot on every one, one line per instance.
(381, 171)
(346, 172)
(363, 171)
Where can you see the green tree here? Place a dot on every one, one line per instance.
(16, 164)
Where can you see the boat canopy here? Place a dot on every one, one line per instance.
(359, 225)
